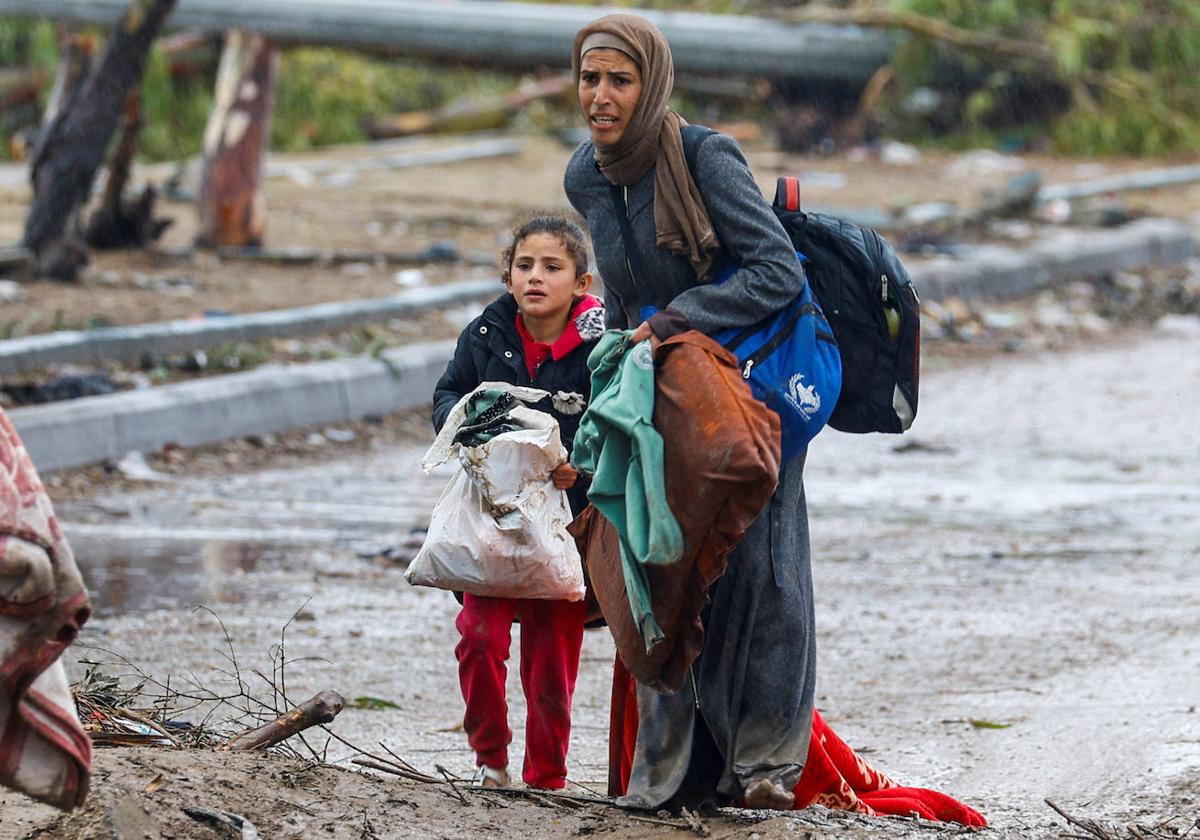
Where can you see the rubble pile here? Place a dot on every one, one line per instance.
(1166, 298)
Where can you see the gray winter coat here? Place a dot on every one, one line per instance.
(756, 675)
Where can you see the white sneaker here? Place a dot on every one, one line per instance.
(490, 777)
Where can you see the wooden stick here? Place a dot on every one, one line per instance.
(450, 781)
(397, 771)
(1090, 826)
(322, 708)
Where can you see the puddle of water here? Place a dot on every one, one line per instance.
(126, 576)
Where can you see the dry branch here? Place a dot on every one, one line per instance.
(322, 708)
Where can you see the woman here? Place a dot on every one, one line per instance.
(739, 730)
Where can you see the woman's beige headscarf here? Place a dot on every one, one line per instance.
(652, 137)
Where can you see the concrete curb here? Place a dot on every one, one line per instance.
(991, 271)
(270, 399)
(129, 344)
(276, 398)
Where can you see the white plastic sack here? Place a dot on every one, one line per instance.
(500, 526)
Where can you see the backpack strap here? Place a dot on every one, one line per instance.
(693, 136)
(787, 193)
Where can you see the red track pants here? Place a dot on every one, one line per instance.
(551, 636)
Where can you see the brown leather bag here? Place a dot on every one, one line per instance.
(721, 457)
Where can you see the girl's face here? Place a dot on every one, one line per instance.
(542, 278)
(610, 86)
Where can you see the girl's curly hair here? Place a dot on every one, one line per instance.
(561, 228)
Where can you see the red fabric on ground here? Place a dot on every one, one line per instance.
(551, 636)
(903, 801)
(834, 775)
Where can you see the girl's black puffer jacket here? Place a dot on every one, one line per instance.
(490, 350)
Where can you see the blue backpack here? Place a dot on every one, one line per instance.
(791, 362)
(790, 359)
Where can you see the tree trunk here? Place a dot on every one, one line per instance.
(119, 222)
(72, 146)
(232, 208)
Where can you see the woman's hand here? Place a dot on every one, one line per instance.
(564, 476)
(642, 333)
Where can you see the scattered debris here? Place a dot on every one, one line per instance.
(11, 292)
(1096, 830)
(133, 465)
(338, 435)
(68, 387)
(410, 277)
(1016, 198)
(898, 154)
(400, 554)
(225, 824)
(911, 446)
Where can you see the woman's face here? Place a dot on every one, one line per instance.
(610, 86)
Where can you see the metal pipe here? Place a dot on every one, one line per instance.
(1145, 179)
(516, 35)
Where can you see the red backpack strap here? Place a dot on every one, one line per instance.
(787, 193)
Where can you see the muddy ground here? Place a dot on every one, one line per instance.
(1007, 595)
(1024, 558)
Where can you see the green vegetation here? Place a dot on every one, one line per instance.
(322, 96)
(1088, 76)
(1097, 77)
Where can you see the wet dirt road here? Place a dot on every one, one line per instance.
(1026, 557)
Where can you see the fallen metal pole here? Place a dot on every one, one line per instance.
(1145, 179)
(517, 35)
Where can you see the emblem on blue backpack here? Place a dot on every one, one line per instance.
(804, 398)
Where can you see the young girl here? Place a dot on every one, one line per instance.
(537, 334)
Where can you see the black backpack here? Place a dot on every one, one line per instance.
(869, 301)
